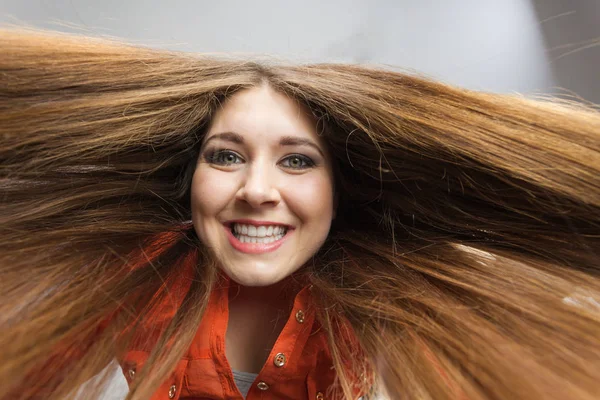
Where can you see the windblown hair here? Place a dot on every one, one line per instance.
(464, 255)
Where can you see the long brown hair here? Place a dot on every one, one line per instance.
(464, 255)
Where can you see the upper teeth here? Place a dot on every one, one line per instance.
(258, 231)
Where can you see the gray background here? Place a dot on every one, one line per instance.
(525, 46)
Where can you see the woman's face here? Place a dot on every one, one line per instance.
(262, 192)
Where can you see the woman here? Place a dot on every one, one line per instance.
(440, 243)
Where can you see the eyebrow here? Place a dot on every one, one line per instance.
(228, 137)
(284, 141)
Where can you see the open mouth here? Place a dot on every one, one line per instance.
(265, 234)
(255, 237)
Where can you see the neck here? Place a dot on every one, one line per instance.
(278, 295)
(257, 316)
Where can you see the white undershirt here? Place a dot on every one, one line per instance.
(244, 381)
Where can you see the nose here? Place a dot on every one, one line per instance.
(258, 187)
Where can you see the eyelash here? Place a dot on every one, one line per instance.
(214, 158)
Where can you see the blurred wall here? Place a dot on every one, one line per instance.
(493, 45)
(571, 32)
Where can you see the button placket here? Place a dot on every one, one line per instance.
(300, 335)
(174, 390)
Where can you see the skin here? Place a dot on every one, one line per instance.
(255, 180)
(244, 172)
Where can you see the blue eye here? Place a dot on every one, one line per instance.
(297, 161)
(224, 157)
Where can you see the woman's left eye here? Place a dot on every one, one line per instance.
(297, 161)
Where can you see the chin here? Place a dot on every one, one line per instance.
(254, 278)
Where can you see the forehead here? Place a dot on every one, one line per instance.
(263, 113)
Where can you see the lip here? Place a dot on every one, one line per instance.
(255, 223)
(255, 248)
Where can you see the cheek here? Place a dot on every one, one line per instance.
(311, 198)
(210, 193)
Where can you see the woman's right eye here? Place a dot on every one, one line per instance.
(224, 157)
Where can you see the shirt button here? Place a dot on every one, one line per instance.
(300, 316)
(262, 386)
(172, 391)
(131, 373)
(320, 396)
(279, 360)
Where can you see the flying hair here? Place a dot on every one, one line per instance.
(463, 257)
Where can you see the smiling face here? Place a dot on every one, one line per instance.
(262, 192)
